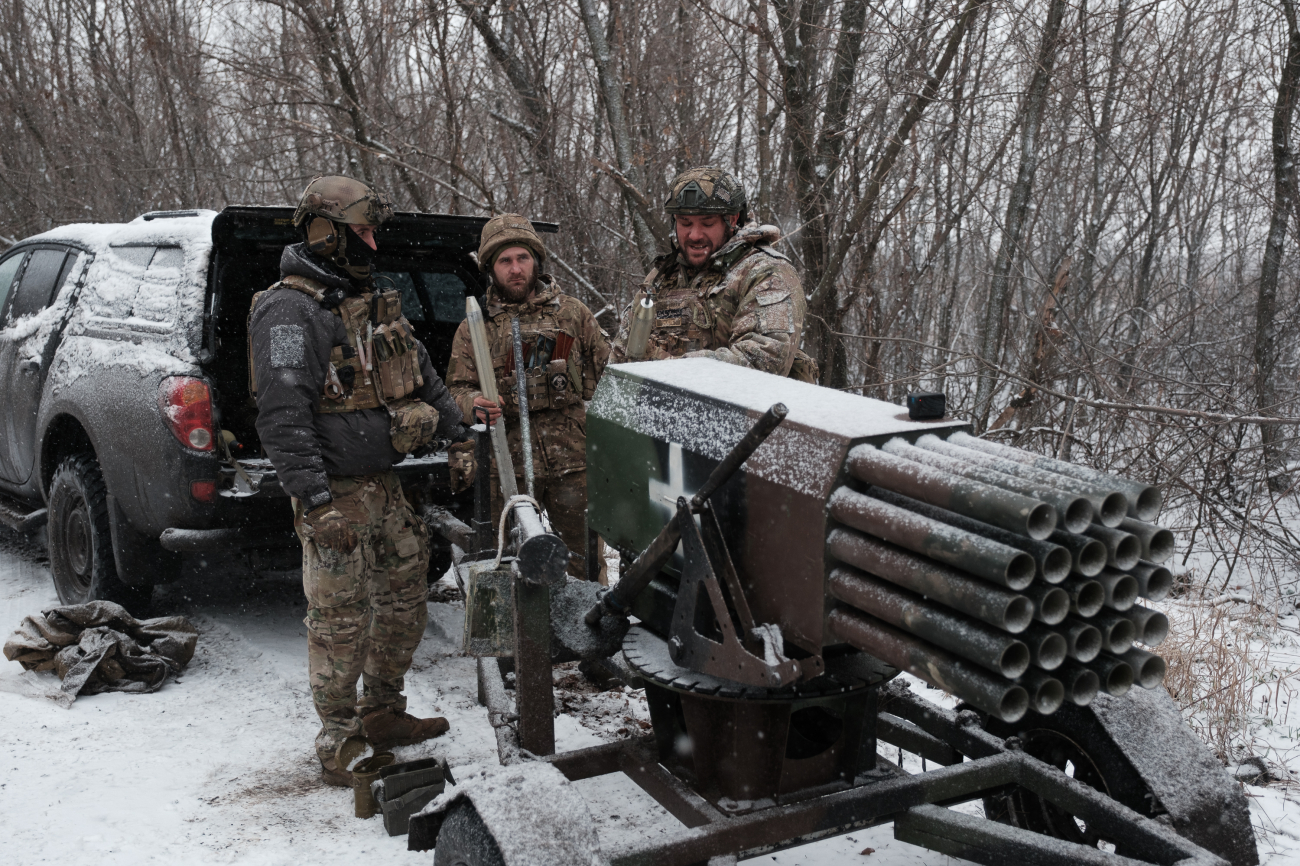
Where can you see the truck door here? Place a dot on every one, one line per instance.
(27, 343)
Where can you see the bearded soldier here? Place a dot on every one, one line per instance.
(723, 292)
(564, 354)
(345, 391)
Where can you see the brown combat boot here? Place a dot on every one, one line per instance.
(332, 775)
(389, 727)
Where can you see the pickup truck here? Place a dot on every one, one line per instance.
(126, 426)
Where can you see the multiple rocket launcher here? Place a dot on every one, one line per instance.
(1009, 579)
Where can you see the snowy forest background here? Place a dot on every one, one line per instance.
(1075, 218)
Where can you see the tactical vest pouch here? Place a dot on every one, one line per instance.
(557, 381)
(411, 424)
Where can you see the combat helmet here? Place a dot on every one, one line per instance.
(706, 189)
(508, 230)
(327, 205)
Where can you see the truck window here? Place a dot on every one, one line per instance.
(8, 270)
(447, 293)
(167, 259)
(39, 284)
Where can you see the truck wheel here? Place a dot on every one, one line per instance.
(81, 545)
(465, 840)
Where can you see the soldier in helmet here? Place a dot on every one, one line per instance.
(344, 391)
(723, 292)
(564, 355)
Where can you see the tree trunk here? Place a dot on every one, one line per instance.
(1266, 304)
(1031, 119)
(612, 95)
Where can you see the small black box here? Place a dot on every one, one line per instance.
(926, 407)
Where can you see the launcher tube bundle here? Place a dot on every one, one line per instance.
(1011, 580)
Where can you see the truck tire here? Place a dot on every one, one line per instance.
(81, 545)
(465, 840)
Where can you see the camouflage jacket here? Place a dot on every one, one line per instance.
(745, 306)
(565, 353)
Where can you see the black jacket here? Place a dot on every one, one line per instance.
(292, 336)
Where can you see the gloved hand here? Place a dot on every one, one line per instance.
(330, 529)
(460, 459)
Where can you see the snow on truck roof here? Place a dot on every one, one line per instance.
(194, 229)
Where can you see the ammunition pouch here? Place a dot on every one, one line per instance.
(549, 387)
(412, 423)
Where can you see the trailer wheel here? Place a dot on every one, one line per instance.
(465, 840)
(81, 545)
(1077, 756)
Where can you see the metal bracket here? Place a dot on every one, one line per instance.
(722, 654)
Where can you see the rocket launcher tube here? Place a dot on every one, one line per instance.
(1123, 550)
(1116, 675)
(1054, 562)
(1157, 543)
(967, 680)
(1081, 684)
(1117, 632)
(1002, 508)
(1089, 554)
(987, 647)
(638, 331)
(1083, 641)
(1154, 581)
(1121, 589)
(1110, 506)
(1151, 626)
(1050, 603)
(1046, 694)
(996, 606)
(657, 554)
(1087, 596)
(980, 556)
(487, 383)
(1047, 646)
(1148, 668)
(1075, 512)
(1143, 500)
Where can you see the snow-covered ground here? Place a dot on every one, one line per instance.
(218, 766)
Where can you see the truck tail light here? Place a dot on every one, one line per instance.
(186, 405)
(204, 491)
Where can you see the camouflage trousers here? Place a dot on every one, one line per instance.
(366, 609)
(565, 500)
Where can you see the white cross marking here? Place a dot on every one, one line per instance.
(665, 494)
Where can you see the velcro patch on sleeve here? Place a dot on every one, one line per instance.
(288, 346)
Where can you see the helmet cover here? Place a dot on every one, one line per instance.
(507, 230)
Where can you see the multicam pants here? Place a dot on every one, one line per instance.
(565, 501)
(366, 609)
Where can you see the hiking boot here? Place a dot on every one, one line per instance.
(389, 727)
(331, 775)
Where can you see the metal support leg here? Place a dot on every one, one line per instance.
(534, 694)
(484, 536)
